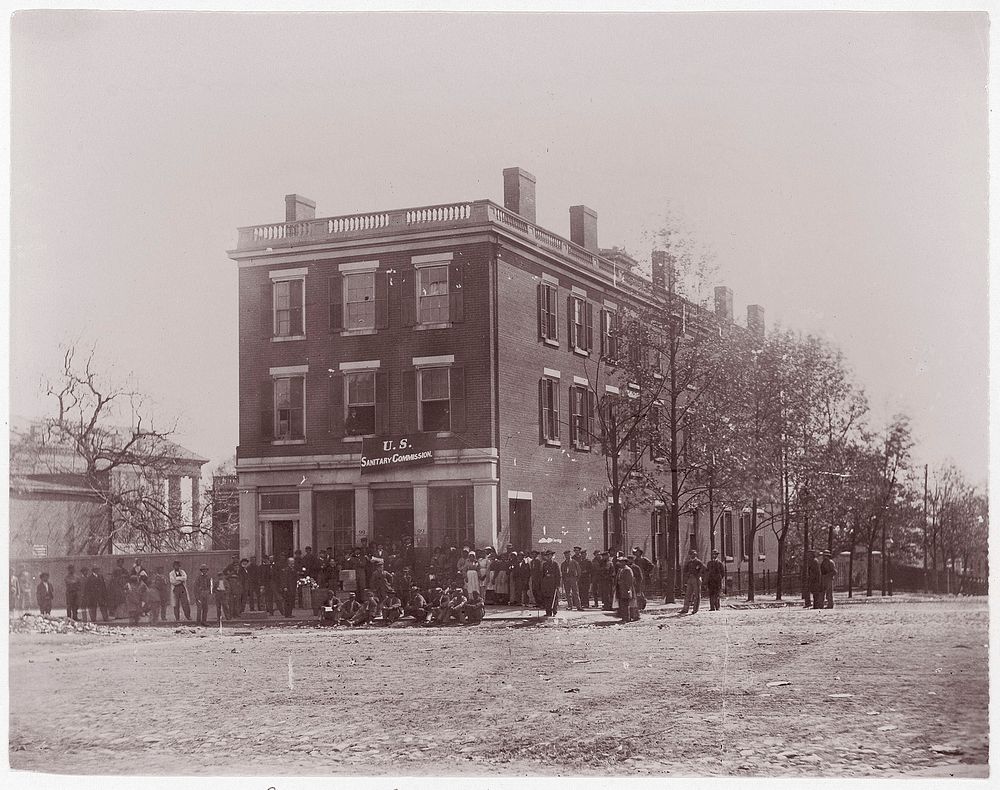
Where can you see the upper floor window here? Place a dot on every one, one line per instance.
(581, 417)
(360, 417)
(359, 300)
(289, 307)
(435, 399)
(289, 408)
(548, 325)
(548, 409)
(581, 323)
(432, 299)
(609, 333)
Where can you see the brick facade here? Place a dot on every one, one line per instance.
(514, 486)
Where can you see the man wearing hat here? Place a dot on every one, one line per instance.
(691, 577)
(570, 572)
(416, 605)
(715, 573)
(625, 589)
(605, 570)
(586, 572)
(204, 591)
(828, 571)
(814, 582)
(535, 578)
(548, 589)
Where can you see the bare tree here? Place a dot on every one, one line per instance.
(103, 434)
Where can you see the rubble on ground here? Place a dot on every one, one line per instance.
(46, 624)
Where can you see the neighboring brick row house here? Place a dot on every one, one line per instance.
(422, 373)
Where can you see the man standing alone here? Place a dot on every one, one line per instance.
(814, 580)
(178, 589)
(570, 571)
(715, 572)
(827, 571)
(691, 574)
(549, 584)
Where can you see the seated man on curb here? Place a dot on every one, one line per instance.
(456, 606)
(349, 609)
(475, 608)
(441, 605)
(392, 607)
(368, 611)
(417, 607)
(329, 610)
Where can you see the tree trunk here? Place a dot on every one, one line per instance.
(871, 563)
(850, 560)
(749, 550)
(778, 584)
(711, 522)
(882, 559)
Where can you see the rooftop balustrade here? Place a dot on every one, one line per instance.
(442, 217)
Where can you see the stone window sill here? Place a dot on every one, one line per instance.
(287, 338)
(425, 327)
(359, 331)
(288, 441)
(550, 342)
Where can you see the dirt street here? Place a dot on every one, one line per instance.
(862, 690)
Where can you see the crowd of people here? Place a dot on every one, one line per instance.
(361, 586)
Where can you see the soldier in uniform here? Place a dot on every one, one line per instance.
(548, 589)
(586, 571)
(606, 581)
(715, 573)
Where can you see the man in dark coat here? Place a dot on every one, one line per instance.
(535, 579)
(715, 573)
(204, 591)
(828, 571)
(253, 574)
(45, 592)
(549, 585)
(288, 582)
(691, 575)
(814, 580)
(266, 577)
(586, 571)
(606, 573)
(92, 595)
(73, 588)
(624, 588)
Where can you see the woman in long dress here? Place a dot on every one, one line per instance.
(471, 574)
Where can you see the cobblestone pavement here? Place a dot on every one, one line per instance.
(888, 690)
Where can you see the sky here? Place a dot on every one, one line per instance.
(834, 163)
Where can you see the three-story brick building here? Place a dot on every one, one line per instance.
(422, 373)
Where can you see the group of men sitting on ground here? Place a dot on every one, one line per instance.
(440, 607)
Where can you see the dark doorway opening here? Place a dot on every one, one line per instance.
(520, 524)
(282, 540)
(392, 522)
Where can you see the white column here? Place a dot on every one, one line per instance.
(362, 513)
(249, 522)
(305, 532)
(486, 514)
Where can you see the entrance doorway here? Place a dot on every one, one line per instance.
(520, 524)
(282, 540)
(392, 516)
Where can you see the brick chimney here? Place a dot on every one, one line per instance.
(583, 227)
(519, 192)
(755, 319)
(298, 207)
(724, 303)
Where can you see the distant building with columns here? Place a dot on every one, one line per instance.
(420, 374)
(56, 511)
